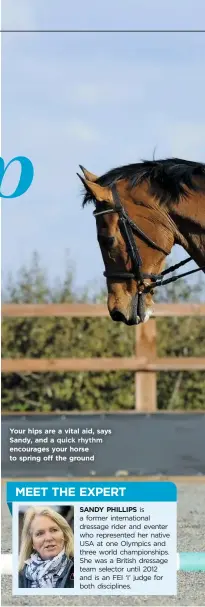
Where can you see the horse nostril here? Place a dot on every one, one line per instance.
(106, 241)
(111, 241)
(118, 316)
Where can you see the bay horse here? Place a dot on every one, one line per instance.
(142, 210)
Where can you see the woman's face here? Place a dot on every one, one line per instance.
(47, 537)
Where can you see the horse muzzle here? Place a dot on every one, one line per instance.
(136, 314)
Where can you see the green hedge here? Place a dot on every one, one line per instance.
(87, 337)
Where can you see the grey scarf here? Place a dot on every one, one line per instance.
(45, 573)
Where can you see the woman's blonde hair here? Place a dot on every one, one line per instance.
(26, 537)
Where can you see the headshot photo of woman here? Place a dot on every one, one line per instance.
(46, 558)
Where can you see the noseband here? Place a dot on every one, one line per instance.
(128, 228)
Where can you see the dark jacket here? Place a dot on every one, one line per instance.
(65, 581)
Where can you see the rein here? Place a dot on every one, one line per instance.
(127, 228)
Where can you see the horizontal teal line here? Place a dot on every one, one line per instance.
(191, 561)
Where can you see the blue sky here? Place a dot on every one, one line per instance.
(100, 100)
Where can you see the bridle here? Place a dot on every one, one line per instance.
(128, 228)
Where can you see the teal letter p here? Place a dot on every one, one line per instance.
(26, 177)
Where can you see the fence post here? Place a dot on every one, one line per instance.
(146, 381)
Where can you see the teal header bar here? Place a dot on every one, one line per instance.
(91, 491)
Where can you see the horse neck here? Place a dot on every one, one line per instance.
(189, 217)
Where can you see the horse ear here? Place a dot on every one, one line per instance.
(90, 176)
(98, 192)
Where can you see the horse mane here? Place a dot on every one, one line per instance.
(166, 177)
